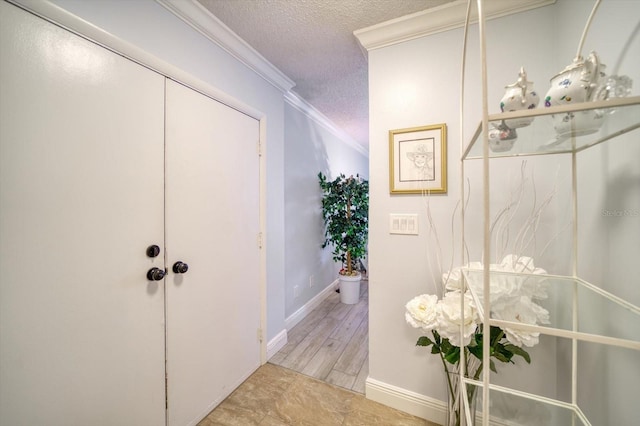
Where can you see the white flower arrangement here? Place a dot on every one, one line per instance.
(515, 292)
(513, 298)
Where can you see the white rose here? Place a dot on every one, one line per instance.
(504, 287)
(524, 311)
(508, 286)
(422, 312)
(534, 287)
(452, 279)
(450, 318)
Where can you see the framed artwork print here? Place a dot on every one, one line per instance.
(418, 160)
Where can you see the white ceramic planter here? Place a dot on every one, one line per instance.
(350, 289)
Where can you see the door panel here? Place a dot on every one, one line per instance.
(212, 223)
(81, 197)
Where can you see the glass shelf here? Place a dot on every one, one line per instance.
(566, 300)
(607, 120)
(584, 340)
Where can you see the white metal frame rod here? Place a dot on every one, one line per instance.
(462, 389)
(486, 212)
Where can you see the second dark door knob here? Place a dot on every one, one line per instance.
(155, 274)
(180, 267)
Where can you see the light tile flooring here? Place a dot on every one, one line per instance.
(276, 396)
(331, 343)
(328, 350)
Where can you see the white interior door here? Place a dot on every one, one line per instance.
(212, 224)
(81, 198)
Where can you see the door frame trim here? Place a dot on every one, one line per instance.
(62, 18)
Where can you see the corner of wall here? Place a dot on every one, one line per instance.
(277, 343)
(280, 340)
(299, 315)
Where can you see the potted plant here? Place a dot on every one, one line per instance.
(345, 209)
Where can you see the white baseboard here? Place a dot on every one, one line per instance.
(277, 343)
(298, 315)
(410, 402)
(419, 405)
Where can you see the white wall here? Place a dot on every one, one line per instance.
(410, 84)
(310, 147)
(418, 83)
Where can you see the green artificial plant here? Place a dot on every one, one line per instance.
(345, 210)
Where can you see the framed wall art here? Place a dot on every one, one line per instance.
(418, 160)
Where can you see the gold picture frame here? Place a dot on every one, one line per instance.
(418, 160)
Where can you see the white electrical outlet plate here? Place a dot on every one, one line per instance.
(404, 224)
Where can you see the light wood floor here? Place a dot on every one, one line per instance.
(331, 343)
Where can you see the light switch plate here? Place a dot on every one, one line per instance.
(404, 224)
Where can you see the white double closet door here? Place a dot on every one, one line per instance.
(99, 159)
(212, 224)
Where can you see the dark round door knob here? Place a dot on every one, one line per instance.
(180, 267)
(153, 251)
(155, 274)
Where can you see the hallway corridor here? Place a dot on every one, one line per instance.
(331, 343)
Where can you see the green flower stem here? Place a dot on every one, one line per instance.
(447, 374)
(477, 375)
(450, 354)
(500, 336)
(446, 370)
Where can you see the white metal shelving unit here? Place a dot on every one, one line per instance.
(571, 291)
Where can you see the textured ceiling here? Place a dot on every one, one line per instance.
(312, 42)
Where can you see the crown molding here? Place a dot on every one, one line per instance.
(303, 106)
(207, 24)
(438, 19)
(203, 21)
